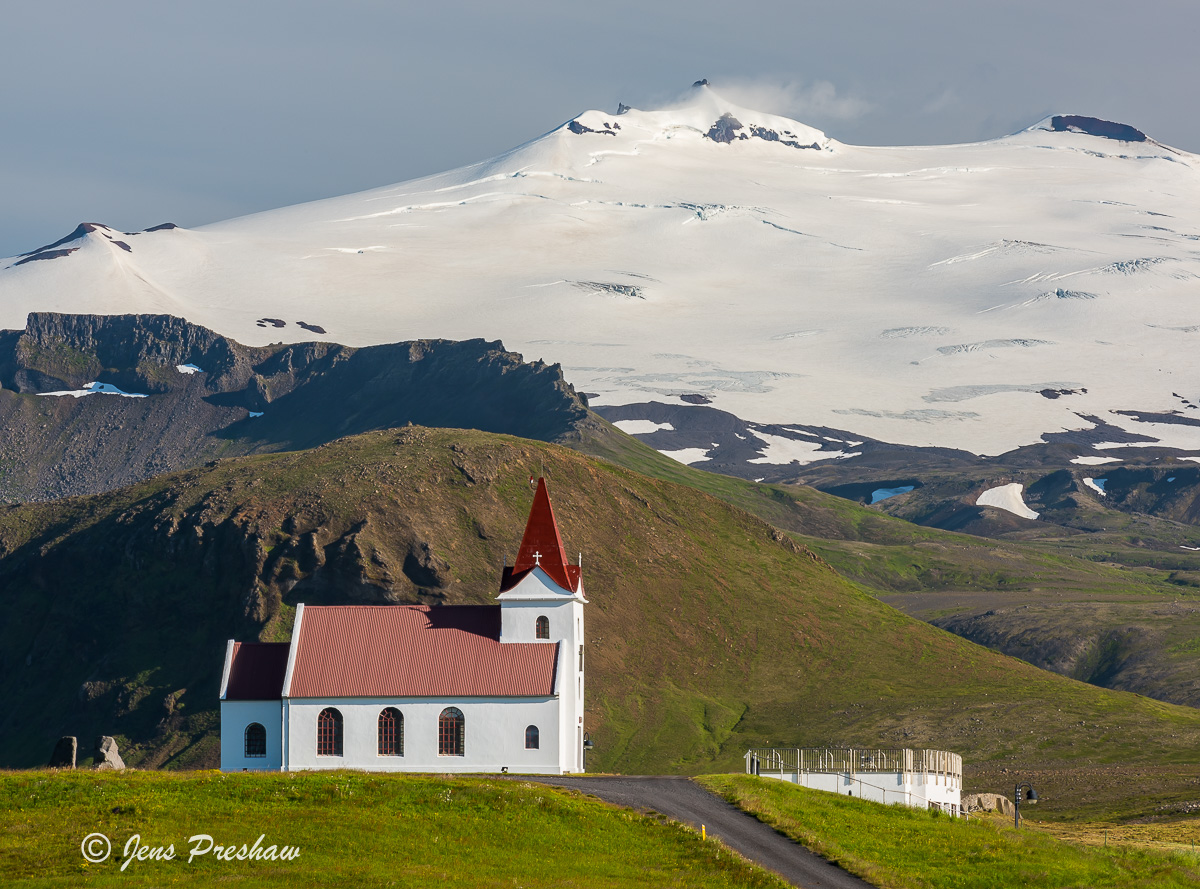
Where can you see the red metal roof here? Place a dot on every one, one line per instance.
(256, 672)
(418, 650)
(542, 547)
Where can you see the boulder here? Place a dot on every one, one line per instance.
(987, 802)
(63, 756)
(107, 756)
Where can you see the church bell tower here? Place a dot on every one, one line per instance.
(541, 600)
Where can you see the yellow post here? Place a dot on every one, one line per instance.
(703, 833)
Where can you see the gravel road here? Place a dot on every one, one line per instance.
(689, 803)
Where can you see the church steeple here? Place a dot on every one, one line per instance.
(542, 547)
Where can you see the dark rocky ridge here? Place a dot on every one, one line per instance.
(307, 393)
(734, 449)
(59, 249)
(726, 129)
(579, 129)
(1094, 126)
(1157, 481)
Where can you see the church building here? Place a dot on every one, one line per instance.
(415, 688)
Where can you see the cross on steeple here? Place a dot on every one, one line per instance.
(537, 559)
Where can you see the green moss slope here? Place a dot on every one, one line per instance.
(709, 630)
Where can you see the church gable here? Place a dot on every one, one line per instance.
(254, 671)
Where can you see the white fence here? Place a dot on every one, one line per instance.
(919, 778)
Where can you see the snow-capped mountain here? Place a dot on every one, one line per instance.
(971, 296)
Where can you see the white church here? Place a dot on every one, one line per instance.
(452, 688)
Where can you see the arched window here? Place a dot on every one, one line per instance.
(391, 732)
(329, 733)
(531, 737)
(543, 627)
(451, 729)
(256, 740)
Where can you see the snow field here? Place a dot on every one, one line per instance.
(689, 456)
(95, 389)
(1007, 497)
(834, 286)
(642, 427)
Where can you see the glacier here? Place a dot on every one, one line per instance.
(1038, 282)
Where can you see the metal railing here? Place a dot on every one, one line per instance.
(854, 760)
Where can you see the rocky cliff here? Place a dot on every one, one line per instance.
(176, 395)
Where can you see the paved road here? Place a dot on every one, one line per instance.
(690, 803)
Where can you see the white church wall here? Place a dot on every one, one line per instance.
(534, 596)
(518, 620)
(571, 689)
(494, 736)
(235, 717)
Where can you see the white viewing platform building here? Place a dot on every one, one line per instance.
(919, 778)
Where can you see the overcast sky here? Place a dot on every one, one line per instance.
(136, 113)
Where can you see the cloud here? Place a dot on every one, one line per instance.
(947, 99)
(819, 99)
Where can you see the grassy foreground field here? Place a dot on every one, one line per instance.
(900, 848)
(355, 829)
(351, 829)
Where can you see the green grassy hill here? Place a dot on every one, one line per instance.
(709, 630)
(355, 829)
(350, 830)
(896, 847)
(1116, 604)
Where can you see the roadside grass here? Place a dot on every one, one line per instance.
(896, 847)
(352, 829)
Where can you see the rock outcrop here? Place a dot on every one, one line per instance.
(107, 756)
(63, 756)
(208, 396)
(987, 802)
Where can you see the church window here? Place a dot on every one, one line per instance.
(329, 732)
(543, 627)
(531, 737)
(256, 740)
(451, 727)
(391, 732)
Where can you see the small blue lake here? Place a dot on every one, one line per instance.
(884, 493)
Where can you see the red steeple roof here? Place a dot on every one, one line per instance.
(542, 547)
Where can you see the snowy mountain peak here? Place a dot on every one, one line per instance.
(974, 296)
(703, 114)
(90, 235)
(74, 241)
